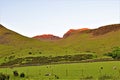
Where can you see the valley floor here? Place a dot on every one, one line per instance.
(74, 71)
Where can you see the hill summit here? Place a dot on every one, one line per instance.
(105, 29)
(69, 32)
(47, 37)
(96, 32)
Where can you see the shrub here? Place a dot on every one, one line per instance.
(4, 76)
(101, 67)
(40, 52)
(56, 77)
(15, 73)
(115, 54)
(11, 57)
(22, 75)
(30, 53)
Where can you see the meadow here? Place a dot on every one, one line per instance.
(74, 71)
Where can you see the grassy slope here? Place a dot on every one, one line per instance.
(14, 44)
(88, 43)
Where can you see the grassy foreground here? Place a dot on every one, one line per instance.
(75, 71)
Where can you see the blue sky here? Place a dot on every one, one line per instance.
(36, 17)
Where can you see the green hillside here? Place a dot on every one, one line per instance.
(88, 41)
(95, 41)
(12, 43)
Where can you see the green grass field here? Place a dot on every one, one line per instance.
(74, 71)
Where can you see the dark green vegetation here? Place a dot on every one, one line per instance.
(41, 60)
(15, 47)
(4, 76)
(115, 54)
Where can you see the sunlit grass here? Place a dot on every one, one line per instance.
(67, 71)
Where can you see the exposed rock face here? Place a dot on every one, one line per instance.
(47, 37)
(71, 31)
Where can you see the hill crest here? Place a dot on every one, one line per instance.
(69, 32)
(105, 29)
(47, 37)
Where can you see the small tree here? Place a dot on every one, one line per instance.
(115, 54)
